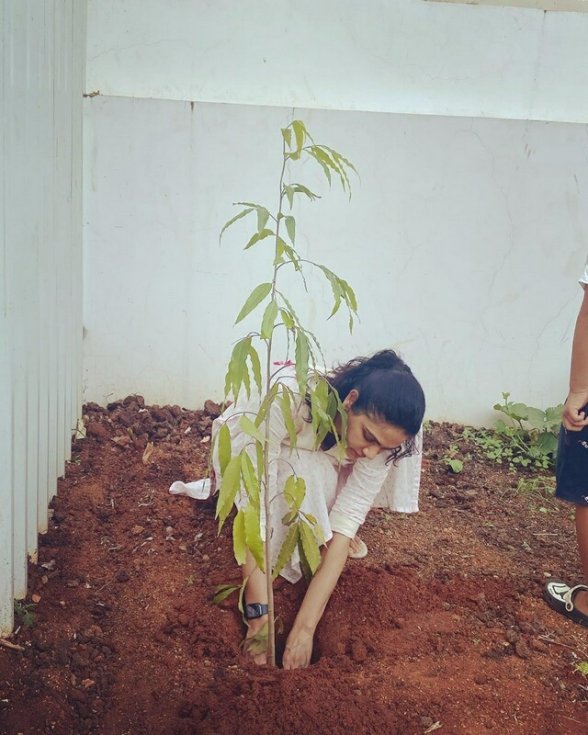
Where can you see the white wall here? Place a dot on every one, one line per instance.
(465, 235)
(464, 240)
(42, 60)
(405, 56)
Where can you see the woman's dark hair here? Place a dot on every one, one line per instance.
(387, 391)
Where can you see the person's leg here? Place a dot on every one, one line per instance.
(581, 598)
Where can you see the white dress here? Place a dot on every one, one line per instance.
(339, 494)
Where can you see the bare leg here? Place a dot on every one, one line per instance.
(581, 598)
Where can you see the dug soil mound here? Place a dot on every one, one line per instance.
(442, 627)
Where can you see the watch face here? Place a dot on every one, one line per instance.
(255, 610)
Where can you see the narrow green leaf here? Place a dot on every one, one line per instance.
(319, 156)
(287, 136)
(253, 535)
(229, 487)
(223, 591)
(310, 546)
(285, 249)
(294, 489)
(269, 319)
(255, 297)
(239, 544)
(255, 367)
(300, 133)
(302, 356)
(301, 189)
(286, 406)
(237, 373)
(232, 221)
(291, 227)
(287, 318)
(288, 191)
(258, 237)
(285, 553)
(262, 218)
(224, 447)
(248, 427)
(250, 479)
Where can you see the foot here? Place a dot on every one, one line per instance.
(357, 548)
(569, 601)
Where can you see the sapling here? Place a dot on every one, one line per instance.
(250, 369)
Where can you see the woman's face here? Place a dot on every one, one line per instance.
(368, 436)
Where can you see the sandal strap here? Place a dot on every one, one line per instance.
(568, 597)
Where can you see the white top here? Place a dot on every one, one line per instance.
(584, 276)
(363, 478)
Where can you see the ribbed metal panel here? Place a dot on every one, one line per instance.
(42, 60)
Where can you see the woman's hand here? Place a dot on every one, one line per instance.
(298, 649)
(255, 643)
(574, 417)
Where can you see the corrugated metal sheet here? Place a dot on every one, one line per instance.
(42, 61)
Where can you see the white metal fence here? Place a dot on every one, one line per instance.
(42, 58)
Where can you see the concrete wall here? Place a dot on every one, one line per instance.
(464, 237)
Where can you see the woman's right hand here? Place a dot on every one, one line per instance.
(298, 649)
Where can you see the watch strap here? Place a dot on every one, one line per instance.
(254, 610)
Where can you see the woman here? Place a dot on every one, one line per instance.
(385, 405)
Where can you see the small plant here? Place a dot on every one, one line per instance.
(541, 485)
(249, 370)
(24, 613)
(581, 667)
(527, 440)
(454, 464)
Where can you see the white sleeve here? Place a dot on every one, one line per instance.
(358, 494)
(584, 277)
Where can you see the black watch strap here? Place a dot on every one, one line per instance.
(255, 610)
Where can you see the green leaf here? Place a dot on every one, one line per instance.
(269, 319)
(255, 297)
(253, 536)
(319, 157)
(259, 236)
(310, 546)
(223, 591)
(229, 487)
(248, 427)
(287, 136)
(224, 447)
(300, 133)
(302, 357)
(294, 492)
(286, 406)
(239, 544)
(255, 366)
(262, 218)
(301, 189)
(291, 227)
(282, 248)
(285, 553)
(455, 465)
(237, 372)
(288, 192)
(232, 221)
(287, 318)
(250, 479)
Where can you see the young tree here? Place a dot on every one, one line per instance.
(249, 469)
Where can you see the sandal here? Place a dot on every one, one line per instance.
(357, 548)
(560, 597)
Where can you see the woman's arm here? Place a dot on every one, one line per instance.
(299, 644)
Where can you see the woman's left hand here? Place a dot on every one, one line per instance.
(298, 650)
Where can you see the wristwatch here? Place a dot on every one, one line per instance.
(255, 610)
